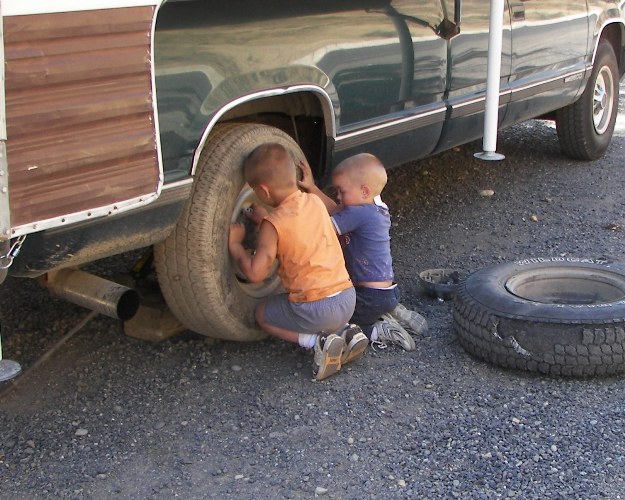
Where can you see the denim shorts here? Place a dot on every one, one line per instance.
(371, 303)
(320, 316)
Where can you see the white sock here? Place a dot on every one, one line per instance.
(307, 340)
(374, 333)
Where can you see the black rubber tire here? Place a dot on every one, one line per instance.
(558, 316)
(194, 268)
(579, 136)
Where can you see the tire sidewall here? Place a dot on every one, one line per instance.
(604, 58)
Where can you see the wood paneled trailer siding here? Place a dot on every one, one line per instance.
(81, 133)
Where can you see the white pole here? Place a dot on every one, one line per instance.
(493, 70)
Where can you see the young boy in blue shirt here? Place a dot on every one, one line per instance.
(363, 224)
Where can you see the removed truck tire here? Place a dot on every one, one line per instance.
(199, 282)
(557, 316)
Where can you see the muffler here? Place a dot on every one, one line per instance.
(93, 292)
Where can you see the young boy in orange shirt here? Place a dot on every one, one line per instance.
(320, 296)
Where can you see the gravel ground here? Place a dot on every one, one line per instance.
(108, 415)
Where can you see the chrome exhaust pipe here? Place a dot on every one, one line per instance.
(93, 292)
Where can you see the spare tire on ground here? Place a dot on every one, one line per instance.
(555, 315)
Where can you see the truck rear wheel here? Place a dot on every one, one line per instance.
(585, 127)
(201, 286)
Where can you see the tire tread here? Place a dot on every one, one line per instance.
(584, 348)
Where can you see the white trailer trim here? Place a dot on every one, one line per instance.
(5, 213)
(26, 7)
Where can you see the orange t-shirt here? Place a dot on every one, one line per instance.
(311, 260)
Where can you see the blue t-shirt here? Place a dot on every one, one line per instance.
(364, 231)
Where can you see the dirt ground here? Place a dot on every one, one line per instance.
(108, 415)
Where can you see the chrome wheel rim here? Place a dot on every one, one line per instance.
(603, 100)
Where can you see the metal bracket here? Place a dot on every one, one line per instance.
(9, 251)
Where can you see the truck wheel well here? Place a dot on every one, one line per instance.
(300, 115)
(613, 33)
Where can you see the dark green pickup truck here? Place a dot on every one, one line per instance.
(125, 122)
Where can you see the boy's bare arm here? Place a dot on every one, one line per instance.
(256, 267)
(308, 184)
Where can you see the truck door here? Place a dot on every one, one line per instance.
(390, 83)
(466, 88)
(549, 47)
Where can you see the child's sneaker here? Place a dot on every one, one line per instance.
(356, 343)
(328, 353)
(409, 319)
(391, 332)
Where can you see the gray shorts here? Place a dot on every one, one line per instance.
(323, 315)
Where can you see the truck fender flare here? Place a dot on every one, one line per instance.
(329, 116)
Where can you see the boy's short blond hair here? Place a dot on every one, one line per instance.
(270, 164)
(364, 168)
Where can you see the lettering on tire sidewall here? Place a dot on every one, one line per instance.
(573, 260)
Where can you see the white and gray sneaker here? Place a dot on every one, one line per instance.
(356, 343)
(391, 332)
(409, 319)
